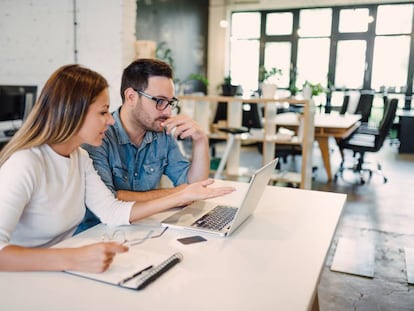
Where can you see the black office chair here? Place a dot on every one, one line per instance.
(232, 132)
(372, 141)
(251, 118)
(364, 105)
(345, 104)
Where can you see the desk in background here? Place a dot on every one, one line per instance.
(272, 262)
(326, 125)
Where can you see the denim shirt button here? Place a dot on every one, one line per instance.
(151, 169)
(135, 174)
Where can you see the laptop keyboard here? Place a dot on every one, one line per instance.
(217, 218)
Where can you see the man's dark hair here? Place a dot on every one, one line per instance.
(137, 73)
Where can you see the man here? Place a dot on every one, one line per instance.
(142, 144)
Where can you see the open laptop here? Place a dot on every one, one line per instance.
(210, 217)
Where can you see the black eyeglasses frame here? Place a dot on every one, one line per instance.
(160, 103)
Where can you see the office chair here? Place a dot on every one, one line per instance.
(364, 105)
(251, 118)
(395, 128)
(232, 132)
(372, 141)
(345, 104)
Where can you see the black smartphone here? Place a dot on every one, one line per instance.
(191, 239)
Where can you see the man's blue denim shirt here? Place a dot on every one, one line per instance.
(124, 166)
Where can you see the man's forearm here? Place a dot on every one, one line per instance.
(200, 163)
(142, 196)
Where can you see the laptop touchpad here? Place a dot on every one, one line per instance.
(187, 214)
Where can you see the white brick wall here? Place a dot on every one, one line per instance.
(37, 37)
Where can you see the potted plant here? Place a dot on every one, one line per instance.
(267, 81)
(311, 89)
(191, 82)
(164, 53)
(266, 75)
(227, 88)
(292, 85)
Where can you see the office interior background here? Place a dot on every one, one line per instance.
(207, 37)
(372, 48)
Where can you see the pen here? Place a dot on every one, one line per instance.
(134, 275)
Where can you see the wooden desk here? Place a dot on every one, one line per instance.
(272, 262)
(326, 125)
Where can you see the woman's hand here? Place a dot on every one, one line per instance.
(96, 257)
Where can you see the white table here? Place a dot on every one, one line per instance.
(272, 262)
(326, 125)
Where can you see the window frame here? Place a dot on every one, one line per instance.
(368, 36)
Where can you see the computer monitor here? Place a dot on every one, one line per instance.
(16, 101)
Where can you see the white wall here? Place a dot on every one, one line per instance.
(37, 37)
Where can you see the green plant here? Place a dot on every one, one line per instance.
(198, 77)
(316, 88)
(227, 80)
(164, 53)
(292, 85)
(227, 88)
(266, 74)
(293, 89)
(193, 77)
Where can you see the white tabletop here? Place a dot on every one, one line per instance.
(321, 120)
(272, 262)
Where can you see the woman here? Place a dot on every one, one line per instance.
(46, 180)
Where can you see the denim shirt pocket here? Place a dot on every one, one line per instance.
(155, 168)
(120, 178)
(153, 172)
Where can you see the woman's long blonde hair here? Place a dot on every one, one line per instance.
(60, 110)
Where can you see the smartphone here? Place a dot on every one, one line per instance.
(191, 239)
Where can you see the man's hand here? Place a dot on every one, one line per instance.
(182, 127)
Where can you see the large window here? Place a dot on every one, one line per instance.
(279, 23)
(354, 20)
(278, 54)
(390, 63)
(245, 49)
(350, 64)
(392, 48)
(343, 48)
(313, 61)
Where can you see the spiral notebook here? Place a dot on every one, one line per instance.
(134, 269)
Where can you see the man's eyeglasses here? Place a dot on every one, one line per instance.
(161, 103)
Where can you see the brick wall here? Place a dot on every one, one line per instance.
(37, 37)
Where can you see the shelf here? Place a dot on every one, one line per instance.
(268, 136)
